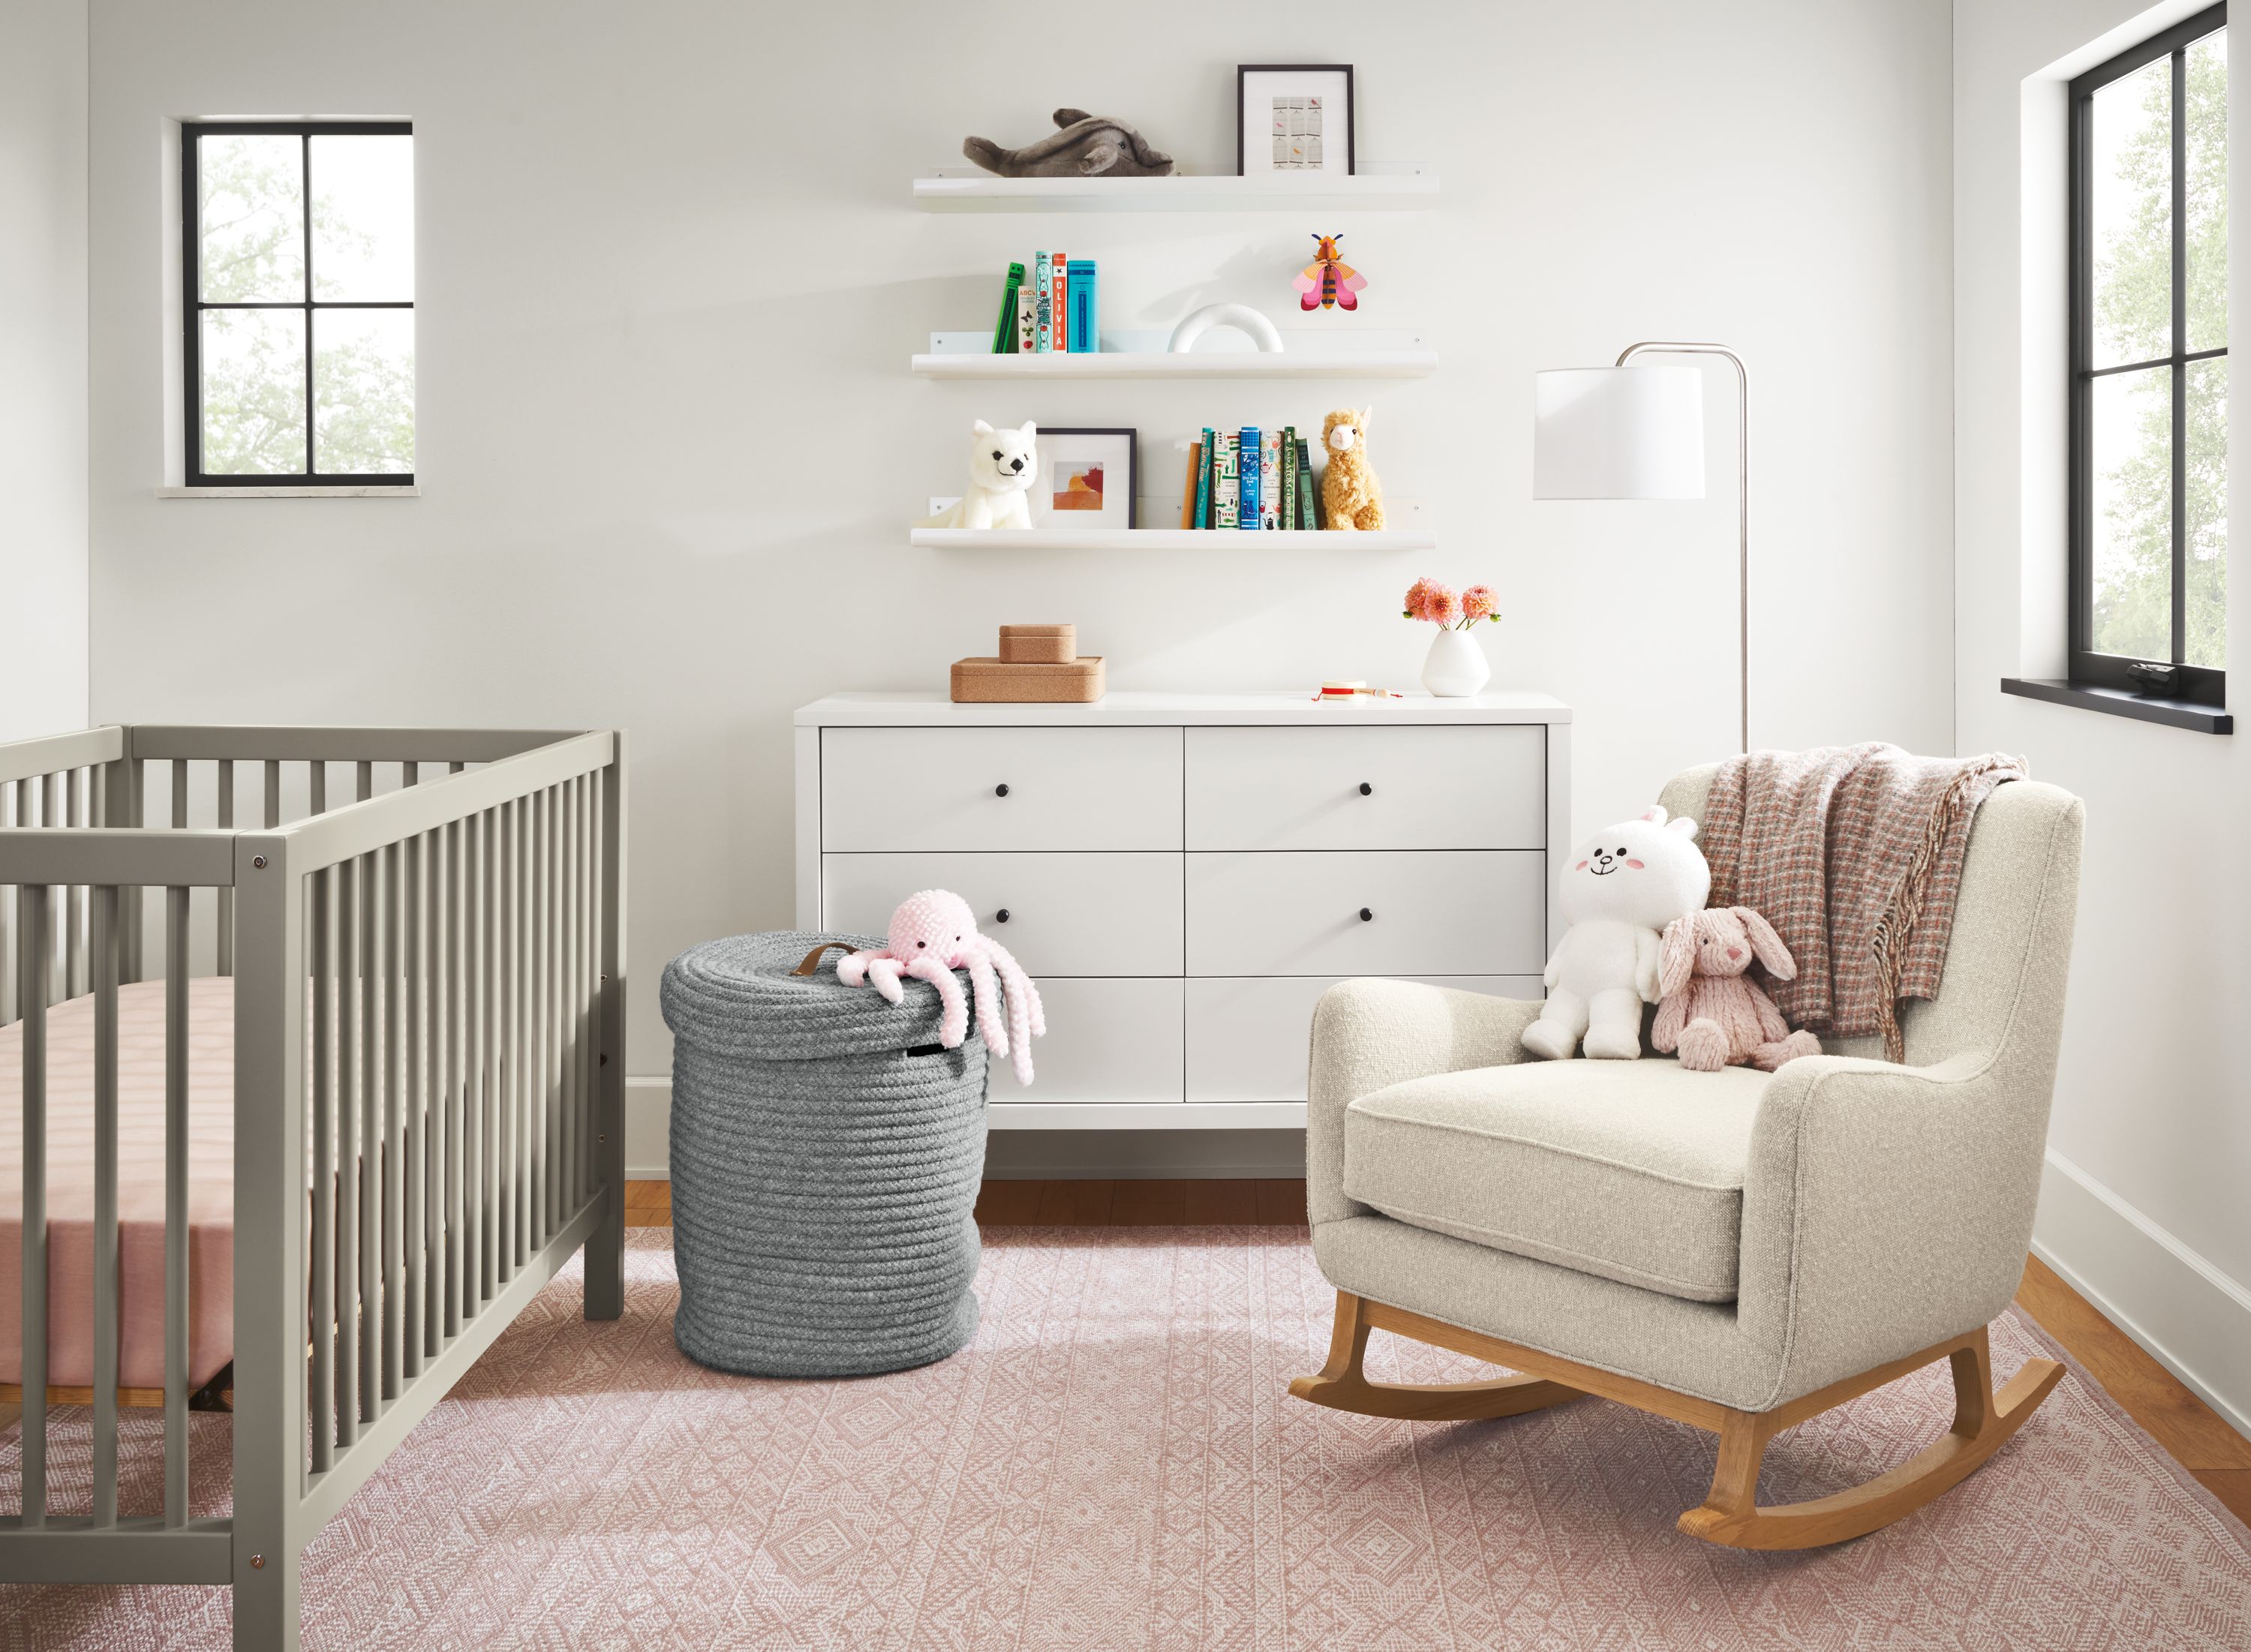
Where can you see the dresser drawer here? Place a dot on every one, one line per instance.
(1431, 912)
(985, 789)
(1481, 786)
(1248, 1038)
(1118, 1042)
(1068, 914)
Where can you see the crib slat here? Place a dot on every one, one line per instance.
(370, 1140)
(347, 1168)
(226, 963)
(521, 1090)
(450, 987)
(272, 789)
(414, 1167)
(74, 812)
(394, 1139)
(10, 897)
(176, 1187)
(321, 1266)
(51, 814)
(508, 1066)
(317, 786)
(105, 1205)
(542, 979)
(32, 976)
(476, 989)
(129, 904)
(572, 846)
(364, 777)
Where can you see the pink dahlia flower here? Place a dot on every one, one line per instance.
(1479, 602)
(1442, 605)
(1417, 594)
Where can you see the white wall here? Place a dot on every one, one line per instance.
(43, 367)
(2145, 1205)
(669, 280)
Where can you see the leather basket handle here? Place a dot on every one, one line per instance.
(813, 959)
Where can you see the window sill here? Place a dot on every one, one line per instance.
(2117, 702)
(410, 491)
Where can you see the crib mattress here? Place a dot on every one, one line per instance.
(140, 1187)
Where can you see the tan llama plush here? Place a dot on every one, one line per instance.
(1349, 491)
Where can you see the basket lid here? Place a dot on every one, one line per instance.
(740, 996)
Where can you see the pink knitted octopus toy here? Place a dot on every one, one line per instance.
(1715, 1015)
(933, 934)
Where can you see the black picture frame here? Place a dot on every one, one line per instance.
(1244, 71)
(1132, 459)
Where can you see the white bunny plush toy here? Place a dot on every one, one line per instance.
(1619, 892)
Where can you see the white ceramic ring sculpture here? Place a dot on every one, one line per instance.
(1241, 317)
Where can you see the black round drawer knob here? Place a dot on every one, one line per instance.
(1366, 789)
(1367, 916)
(1001, 916)
(1001, 790)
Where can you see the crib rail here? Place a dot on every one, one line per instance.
(428, 1018)
(57, 781)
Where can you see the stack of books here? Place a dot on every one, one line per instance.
(1253, 478)
(1054, 309)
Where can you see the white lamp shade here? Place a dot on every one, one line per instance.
(1618, 433)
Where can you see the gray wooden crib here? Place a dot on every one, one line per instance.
(427, 1020)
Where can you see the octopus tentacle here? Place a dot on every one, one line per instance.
(987, 989)
(1025, 1016)
(954, 1024)
(852, 968)
(883, 973)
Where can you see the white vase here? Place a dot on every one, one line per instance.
(1455, 668)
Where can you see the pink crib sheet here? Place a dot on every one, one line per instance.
(140, 1187)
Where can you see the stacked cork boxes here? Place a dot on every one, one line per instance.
(1036, 663)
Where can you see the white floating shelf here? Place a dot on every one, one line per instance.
(1367, 192)
(1220, 539)
(1195, 364)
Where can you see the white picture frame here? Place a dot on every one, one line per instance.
(1075, 464)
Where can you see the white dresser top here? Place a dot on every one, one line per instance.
(931, 708)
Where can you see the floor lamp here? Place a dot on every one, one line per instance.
(1638, 432)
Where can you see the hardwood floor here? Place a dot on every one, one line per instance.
(2194, 1434)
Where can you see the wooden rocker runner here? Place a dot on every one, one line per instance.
(1734, 1250)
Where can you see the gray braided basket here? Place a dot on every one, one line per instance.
(825, 1161)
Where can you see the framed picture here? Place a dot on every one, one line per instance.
(1291, 119)
(1088, 478)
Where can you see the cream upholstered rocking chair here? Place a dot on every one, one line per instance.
(1736, 1250)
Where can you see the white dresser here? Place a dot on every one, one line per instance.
(1184, 873)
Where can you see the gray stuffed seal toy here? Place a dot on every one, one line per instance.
(1087, 146)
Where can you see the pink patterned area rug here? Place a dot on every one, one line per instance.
(1114, 1463)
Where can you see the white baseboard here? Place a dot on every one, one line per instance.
(1020, 1154)
(2189, 1316)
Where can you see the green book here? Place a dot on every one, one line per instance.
(1309, 494)
(1004, 328)
(1203, 483)
(1289, 477)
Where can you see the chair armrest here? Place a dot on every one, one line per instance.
(1371, 1034)
(1885, 1208)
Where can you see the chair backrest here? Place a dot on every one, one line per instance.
(2002, 991)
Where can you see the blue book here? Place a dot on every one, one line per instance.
(1084, 312)
(1250, 478)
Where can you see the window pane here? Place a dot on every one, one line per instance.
(2207, 192)
(2131, 529)
(363, 392)
(363, 217)
(2207, 513)
(250, 212)
(2131, 183)
(254, 374)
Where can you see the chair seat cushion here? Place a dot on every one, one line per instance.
(1629, 1170)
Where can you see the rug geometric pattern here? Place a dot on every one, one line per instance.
(1113, 1464)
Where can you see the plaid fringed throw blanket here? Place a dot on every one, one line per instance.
(1854, 854)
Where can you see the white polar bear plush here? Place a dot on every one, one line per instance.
(1003, 464)
(1621, 891)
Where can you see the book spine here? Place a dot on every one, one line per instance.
(1226, 482)
(1085, 311)
(1204, 460)
(1004, 325)
(1290, 452)
(1188, 488)
(1042, 330)
(1059, 299)
(1028, 326)
(1309, 494)
(1247, 465)
(1270, 479)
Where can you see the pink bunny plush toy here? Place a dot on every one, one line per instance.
(933, 934)
(1713, 1013)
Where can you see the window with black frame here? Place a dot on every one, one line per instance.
(2149, 367)
(298, 257)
